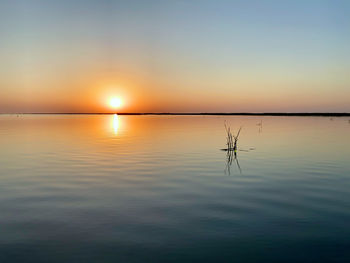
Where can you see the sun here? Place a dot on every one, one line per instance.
(115, 102)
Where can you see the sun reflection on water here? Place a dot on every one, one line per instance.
(115, 123)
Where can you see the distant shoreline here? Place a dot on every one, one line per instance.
(319, 114)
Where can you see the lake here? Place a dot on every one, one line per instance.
(115, 188)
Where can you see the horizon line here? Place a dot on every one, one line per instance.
(325, 114)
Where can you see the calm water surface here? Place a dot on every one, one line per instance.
(105, 188)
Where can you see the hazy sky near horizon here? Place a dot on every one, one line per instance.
(198, 56)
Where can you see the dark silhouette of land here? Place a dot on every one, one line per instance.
(321, 114)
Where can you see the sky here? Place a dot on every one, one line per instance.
(175, 56)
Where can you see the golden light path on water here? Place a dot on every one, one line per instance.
(115, 124)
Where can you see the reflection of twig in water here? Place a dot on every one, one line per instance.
(232, 155)
(237, 162)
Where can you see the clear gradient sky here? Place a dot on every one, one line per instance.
(178, 56)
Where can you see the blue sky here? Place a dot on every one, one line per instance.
(175, 55)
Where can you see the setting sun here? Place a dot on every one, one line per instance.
(115, 102)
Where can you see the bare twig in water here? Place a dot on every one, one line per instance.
(260, 124)
(231, 149)
(232, 139)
